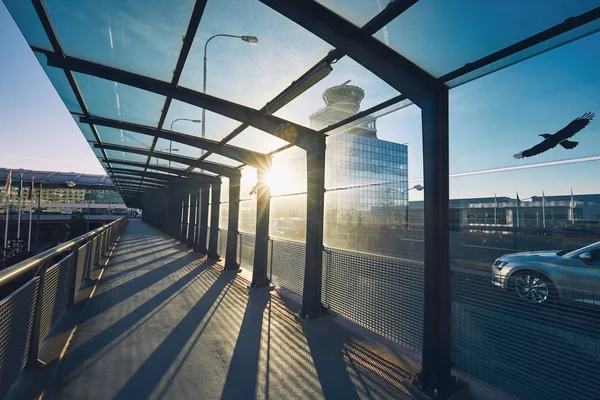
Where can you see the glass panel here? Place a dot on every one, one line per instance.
(247, 216)
(203, 171)
(180, 149)
(97, 152)
(257, 140)
(358, 12)
(121, 102)
(248, 183)
(125, 138)
(216, 158)
(134, 36)
(250, 75)
(504, 114)
(114, 155)
(85, 129)
(61, 84)
(217, 126)
(350, 88)
(167, 163)
(288, 172)
(28, 22)
(224, 189)
(223, 217)
(288, 217)
(130, 167)
(467, 30)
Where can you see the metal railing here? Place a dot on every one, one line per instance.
(34, 292)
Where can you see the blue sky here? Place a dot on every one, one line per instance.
(490, 118)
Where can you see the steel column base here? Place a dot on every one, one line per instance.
(35, 365)
(455, 389)
(325, 314)
(268, 285)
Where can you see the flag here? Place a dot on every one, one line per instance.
(30, 194)
(543, 199)
(495, 201)
(572, 203)
(8, 184)
(518, 200)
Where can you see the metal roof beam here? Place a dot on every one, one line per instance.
(387, 64)
(249, 157)
(204, 179)
(289, 131)
(208, 166)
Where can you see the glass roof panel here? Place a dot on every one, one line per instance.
(26, 19)
(240, 72)
(467, 30)
(219, 159)
(60, 83)
(121, 155)
(217, 126)
(350, 88)
(131, 35)
(97, 152)
(121, 102)
(130, 167)
(201, 171)
(163, 146)
(257, 140)
(166, 163)
(358, 12)
(126, 138)
(85, 129)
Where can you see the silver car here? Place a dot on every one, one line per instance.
(542, 276)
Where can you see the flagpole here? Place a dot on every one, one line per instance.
(19, 216)
(30, 198)
(543, 210)
(37, 224)
(7, 191)
(495, 210)
(518, 201)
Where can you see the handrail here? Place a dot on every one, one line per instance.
(13, 272)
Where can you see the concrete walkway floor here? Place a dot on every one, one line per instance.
(166, 323)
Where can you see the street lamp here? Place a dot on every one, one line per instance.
(418, 188)
(196, 121)
(248, 39)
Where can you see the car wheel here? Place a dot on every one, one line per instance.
(532, 287)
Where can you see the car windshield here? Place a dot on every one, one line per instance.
(590, 248)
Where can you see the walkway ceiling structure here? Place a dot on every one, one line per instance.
(431, 51)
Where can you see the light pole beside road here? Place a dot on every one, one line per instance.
(171, 149)
(418, 188)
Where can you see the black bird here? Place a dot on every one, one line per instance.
(560, 137)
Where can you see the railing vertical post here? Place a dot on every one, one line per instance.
(312, 306)
(437, 352)
(215, 209)
(183, 218)
(203, 230)
(33, 360)
(193, 224)
(263, 209)
(232, 226)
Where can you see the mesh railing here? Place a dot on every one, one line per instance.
(55, 293)
(35, 295)
(16, 325)
(246, 243)
(531, 350)
(286, 264)
(382, 294)
(222, 243)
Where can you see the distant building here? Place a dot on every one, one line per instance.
(363, 173)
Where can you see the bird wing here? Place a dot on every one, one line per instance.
(575, 126)
(537, 149)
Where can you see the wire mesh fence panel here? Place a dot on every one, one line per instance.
(222, 243)
(16, 323)
(527, 337)
(94, 254)
(382, 294)
(246, 250)
(82, 266)
(287, 264)
(55, 294)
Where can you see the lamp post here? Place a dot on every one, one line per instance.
(418, 188)
(171, 149)
(247, 39)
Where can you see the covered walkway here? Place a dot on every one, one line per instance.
(165, 323)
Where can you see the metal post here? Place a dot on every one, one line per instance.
(315, 203)
(37, 223)
(203, 231)
(193, 224)
(185, 204)
(437, 353)
(215, 210)
(232, 226)
(263, 206)
(89, 206)
(33, 361)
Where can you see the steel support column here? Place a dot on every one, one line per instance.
(215, 210)
(261, 244)
(201, 246)
(437, 352)
(315, 202)
(232, 226)
(185, 202)
(193, 224)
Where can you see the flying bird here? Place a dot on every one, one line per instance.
(560, 137)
